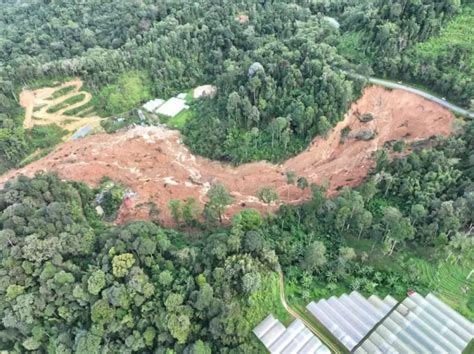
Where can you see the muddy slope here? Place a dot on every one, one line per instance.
(158, 167)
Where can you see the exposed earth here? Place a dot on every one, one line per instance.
(37, 102)
(154, 163)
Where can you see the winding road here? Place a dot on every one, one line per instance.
(444, 103)
(395, 85)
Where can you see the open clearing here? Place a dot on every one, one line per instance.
(147, 159)
(41, 106)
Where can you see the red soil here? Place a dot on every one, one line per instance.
(154, 163)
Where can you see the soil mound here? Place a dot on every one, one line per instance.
(154, 163)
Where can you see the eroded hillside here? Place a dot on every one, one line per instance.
(155, 164)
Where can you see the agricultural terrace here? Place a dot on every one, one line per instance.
(66, 105)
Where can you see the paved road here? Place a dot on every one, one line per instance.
(429, 96)
(444, 103)
(295, 314)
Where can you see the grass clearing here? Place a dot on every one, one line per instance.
(130, 90)
(351, 46)
(68, 102)
(180, 119)
(45, 136)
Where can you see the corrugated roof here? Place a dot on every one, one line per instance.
(350, 317)
(296, 339)
(420, 325)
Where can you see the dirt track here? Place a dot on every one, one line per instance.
(158, 167)
(41, 99)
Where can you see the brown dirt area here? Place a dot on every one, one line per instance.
(41, 98)
(242, 18)
(154, 163)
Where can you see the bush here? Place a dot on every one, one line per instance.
(364, 118)
(365, 134)
(267, 195)
(45, 136)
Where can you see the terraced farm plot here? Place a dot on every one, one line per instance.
(449, 282)
(62, 91)
(65, 105)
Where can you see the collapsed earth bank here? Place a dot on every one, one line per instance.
(153, 162)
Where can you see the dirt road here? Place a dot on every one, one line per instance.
(322, 337)
(37, 102)
(154, 163)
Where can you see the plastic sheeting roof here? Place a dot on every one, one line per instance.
(420, 325)
(152, 106)
(296, 339)
(350, 317)
(172, 107)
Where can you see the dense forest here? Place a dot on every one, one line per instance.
(282, 73)
(399, 39)
(71, 281)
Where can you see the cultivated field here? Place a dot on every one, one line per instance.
(449, 282)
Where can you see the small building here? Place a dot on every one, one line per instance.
(153, 105)
(172, 107)
(82, 132)
(182, 96)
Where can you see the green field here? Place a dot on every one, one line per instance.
(459, 32)
(180, 119)
(448, 282)
(76, 111)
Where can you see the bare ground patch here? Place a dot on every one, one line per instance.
(38, 102)
(154, 163)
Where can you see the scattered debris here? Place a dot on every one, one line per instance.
(99, 210)
(242, 18)
(332, 21)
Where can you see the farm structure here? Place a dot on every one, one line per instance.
(420, 325)
(170, 108)
(416, 325)
(350, 317)
(153, 105)
(294, 339)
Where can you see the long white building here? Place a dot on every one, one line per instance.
(296, 339)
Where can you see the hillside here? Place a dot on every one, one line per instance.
(154, 163)
(173, 173)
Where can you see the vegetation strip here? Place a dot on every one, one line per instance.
(330, 343)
